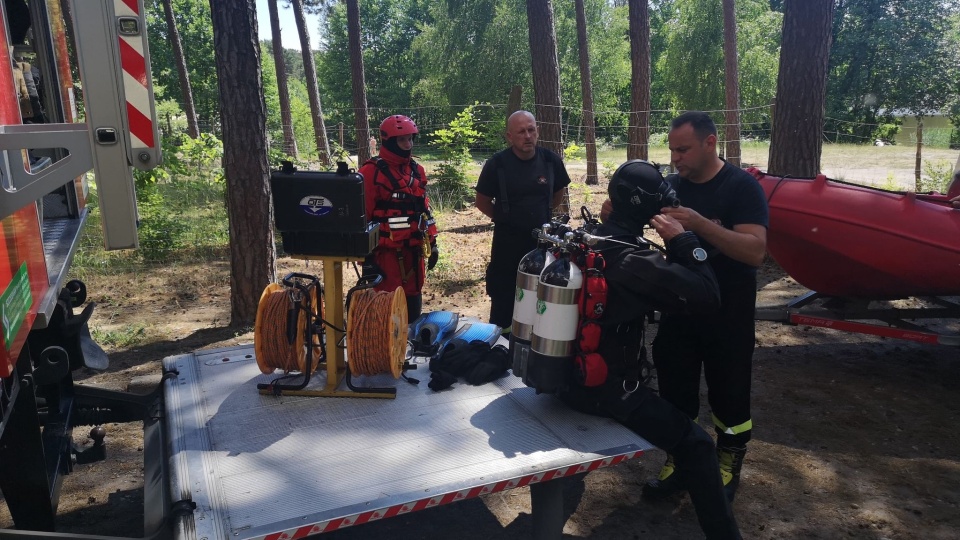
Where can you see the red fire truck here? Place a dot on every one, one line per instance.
(48, 149)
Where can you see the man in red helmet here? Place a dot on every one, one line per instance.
(396, 198)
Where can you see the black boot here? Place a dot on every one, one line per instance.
(414, 307)
(698, 469)
(666, 484)
(731, 461)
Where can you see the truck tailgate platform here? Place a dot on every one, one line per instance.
(261, 466)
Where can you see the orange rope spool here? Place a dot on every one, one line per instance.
(377, 332)
(270, 343)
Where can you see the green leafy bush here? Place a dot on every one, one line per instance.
(160, 229)
(936, 176)
(886, 132)
(609, 168)
(449, 186)
(573, 152)
(202, 157)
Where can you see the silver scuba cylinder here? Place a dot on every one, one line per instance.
(551, 356)
(525, 304)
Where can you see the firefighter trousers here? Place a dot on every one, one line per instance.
(669, 429)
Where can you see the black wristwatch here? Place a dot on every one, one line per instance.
(699, 254)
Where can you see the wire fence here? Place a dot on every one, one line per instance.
(611, 128)
(184, 221)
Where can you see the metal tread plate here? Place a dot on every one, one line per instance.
(256, 465)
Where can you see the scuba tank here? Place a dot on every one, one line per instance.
(552, 345)
(525, 304)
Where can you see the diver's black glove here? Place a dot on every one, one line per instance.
(492, 365)
(434, 256)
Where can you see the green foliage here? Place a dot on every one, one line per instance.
(573, 152)
(609, 50)
(608, 168)
(889, 183)
(391, 64)
(299, 103)
(141, 179)
(202, 156)
(477, 50)
(170, 117)
(886, 131)
(450, 187)
(579, 191)
(692, 66)
(936, 176)
(160, 228)
(276, 156)
(493, 134)
(890, 57)
(937, 137)
(196, 35)
(658, 139)
(758, 45)
(181, 204)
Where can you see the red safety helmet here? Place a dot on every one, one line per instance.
(396, 125)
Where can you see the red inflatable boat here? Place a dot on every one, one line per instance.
(854, 241)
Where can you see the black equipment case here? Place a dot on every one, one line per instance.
(322, 213)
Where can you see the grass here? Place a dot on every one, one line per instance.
(127, 336)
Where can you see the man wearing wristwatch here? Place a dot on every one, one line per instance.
(639, 279)
(727, 210)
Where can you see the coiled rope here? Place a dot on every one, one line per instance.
(377, 332)
(270, 343)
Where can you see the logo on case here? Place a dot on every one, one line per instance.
(316, 205)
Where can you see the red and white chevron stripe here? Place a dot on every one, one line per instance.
(439, 500)
(135, 79)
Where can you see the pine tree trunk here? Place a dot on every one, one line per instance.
(546, 81)
(586, 89)
(514, 100)
(796, 140)
(546, 73)
(310, 72)
(732, 81)
(638, 136)
(280, 64)
(253, 257)
(360, 119)
(178, 58)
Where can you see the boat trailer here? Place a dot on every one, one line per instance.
(858, 315)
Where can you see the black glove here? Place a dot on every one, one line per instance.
(492, 366)
(441, 380)
(434, 256)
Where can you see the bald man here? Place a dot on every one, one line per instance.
(518, 187)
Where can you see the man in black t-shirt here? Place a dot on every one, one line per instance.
(517, 189)
(727, 210)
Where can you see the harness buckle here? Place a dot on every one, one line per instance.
(636, 386)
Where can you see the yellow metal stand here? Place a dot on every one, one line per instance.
(333, 304)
